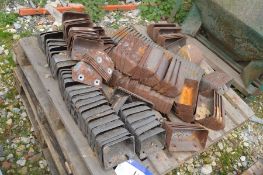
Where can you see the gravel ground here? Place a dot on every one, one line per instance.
(20, 152)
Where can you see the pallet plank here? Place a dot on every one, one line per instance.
(50, 154)
(161, 162)
(235, 114)
(229, 124)
(65, 144)
(214, 135)
(19, 56)
(256, 169)
(149, 166)
(238, 103)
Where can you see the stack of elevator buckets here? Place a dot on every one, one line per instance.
(112, 138)
(143, 122)
(97, 120)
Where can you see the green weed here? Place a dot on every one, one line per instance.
(183, 11)
(93, 8)
(156, 10)
(25, 33)
(7, 19)
(40, 3)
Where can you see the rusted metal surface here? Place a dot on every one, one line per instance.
(166, 40)
(147, 76)
(97, 120)
(158, 31)
(59, 61)
(152, 63)
(73, 15)
(167, 86)
(160, 102)
(159, 74)
(128, 53)
(177, 45)
(165, 34)
(84, 73)
(216, 80)
(142, 122)
(151, 27)
(74, 19)
(185, 104)
(210, 110)
(86, 43)
(121, 96)
(185, 137)
(100, 61)
(191, 53)
(75, 23)
(42, 37)
(179, 70)
(79, 46)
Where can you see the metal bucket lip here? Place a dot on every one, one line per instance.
(216, 121)
(151, 27)
(69, 15)
(201, 139)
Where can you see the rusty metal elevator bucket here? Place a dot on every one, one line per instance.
(104, 130)
(210, 110)
(219, 81)
(143, 123)
(185, 104)
(185, 137)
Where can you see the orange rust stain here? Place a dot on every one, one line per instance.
(186, 97)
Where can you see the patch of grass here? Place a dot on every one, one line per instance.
(256, 103)
(156, 10)
(113, 1)
(115, 26)
(93, 8)
(40, 3)
(25, 33)
(5, 35)
(7, 19)
(183, 11)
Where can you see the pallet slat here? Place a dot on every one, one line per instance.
(32, 113)
(64, 141)
(50, 154)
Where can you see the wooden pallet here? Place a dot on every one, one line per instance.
(256, 169)
(69, 149)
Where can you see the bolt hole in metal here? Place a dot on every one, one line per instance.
(99, 59)
(109, 71)
(81, 77)
(97, 82)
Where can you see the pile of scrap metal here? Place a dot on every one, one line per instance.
(172, 80)
(147, 79)
(116, 128)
